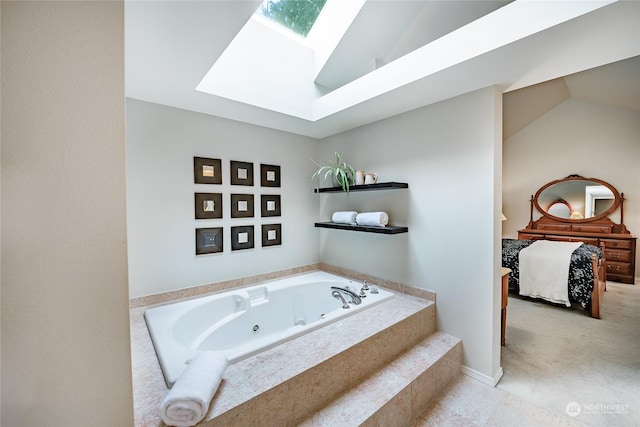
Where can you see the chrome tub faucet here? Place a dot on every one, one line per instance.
(355, 298)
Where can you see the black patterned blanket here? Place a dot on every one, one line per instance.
(581, 277)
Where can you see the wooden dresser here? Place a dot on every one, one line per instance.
(619, 249)
(588, 204)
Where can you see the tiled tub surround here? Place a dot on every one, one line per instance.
(389, 356)
(196, 291)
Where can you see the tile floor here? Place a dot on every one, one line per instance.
(468, 402)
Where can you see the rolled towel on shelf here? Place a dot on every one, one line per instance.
(188, 401)
(376, 219)
(344, 217)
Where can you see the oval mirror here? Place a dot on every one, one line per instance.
(576, 198)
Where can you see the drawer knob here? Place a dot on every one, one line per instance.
(578, 228)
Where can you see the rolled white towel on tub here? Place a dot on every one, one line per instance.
(378, 219)
(344, 217)
(188, 401)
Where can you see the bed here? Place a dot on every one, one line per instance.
(586, 280)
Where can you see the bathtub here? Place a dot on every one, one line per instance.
(244, 322)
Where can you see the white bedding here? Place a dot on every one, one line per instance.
(544, 270)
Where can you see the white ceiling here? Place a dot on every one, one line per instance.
(171, 45)
(366, 47)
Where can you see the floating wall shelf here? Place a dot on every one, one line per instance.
(390, 229)
(367, 187)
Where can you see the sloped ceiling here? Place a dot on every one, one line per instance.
(374, 39)
(171, 45)
(523, 106)
(616, 84)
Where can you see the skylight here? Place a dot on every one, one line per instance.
(296, 15)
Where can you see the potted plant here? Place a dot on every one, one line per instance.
(341, 172)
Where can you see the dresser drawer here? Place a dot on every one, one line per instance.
(525, 236)
(616, 244)
(617, 255)
(605, 229)
(586, 240)
(554, 227)
(618, 267)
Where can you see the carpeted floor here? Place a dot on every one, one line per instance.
(561, 359)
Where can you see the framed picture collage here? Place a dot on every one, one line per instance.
(244, 206)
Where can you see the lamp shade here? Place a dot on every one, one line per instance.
(576, 215)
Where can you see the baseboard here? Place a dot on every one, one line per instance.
(492, 381)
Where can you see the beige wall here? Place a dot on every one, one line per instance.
(161, 144)
(450, 153)
(576, 137)
(65, 321)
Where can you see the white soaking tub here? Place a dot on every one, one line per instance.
(243, 322)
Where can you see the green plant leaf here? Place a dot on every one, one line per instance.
(339, 169)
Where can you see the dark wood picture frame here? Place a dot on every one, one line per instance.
(271, 235)
(269, 175)
(241, 173)
(242, 206)
(207, 171)
(242, 237)
(209, 240)
(208, 205)
(270, 205)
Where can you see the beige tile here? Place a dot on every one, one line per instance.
(195, 291)
(471, 399)
(440, 416)
(258, 381)
(394, 413)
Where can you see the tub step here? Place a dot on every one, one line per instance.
(287, 384)
(400, 391)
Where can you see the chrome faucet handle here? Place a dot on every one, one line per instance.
(355, 298)
(374, 289)
(364, 285)
(362, 294)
